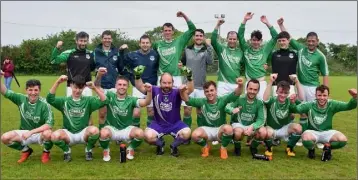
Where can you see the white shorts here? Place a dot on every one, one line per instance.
(239, 125)
(86, 91)
(225, 88)
(197, 93)
(136, 93)
(292, 90)
(322, 136)
(212, 132)
(33, 139)
(309, 93)
(78, 138)
(282, 133)
(120, 135)
(260, 94)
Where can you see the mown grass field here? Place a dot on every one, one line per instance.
(190, 165)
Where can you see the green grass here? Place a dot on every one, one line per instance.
(190, 165)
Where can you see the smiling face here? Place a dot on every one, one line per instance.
(33, 93)
(211, 93)
(122, 87)
(107, 40)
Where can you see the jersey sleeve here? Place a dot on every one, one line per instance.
(95, 103)
(296, 45)
(229, 98)
(57, 58)
(56, 102)
(269, 101)
(135, 102)
(261, 116)
(344, 106)
(48, 115)
(16, 98)
(271, 44)
(196, 102)
(323, 66)
(231, 106)
(241, 38)
(214, 42)
(185, 38)
(301, 108)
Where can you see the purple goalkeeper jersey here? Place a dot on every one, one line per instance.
(166, 106)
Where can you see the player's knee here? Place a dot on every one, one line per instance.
(138, 133)
(105, 133)
(93, 130)
(6, 137)
(261, 133)
(269, 132)
(46, 135)
(150, 111)
(297, 129)
(187, 111)
(197, 134)
(227, 129)
(340, 137)
(306, 136)
(55, 136)
(149, 136)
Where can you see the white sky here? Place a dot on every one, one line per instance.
(333, 21)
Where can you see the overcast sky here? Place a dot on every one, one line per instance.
(333, 21)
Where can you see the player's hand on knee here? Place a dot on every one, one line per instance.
(59, 44)
(62, 79)
(249, 130)
(353, 92)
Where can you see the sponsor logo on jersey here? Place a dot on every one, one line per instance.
(317, 119)
(75, 56)
(278, 55)
(88, 56)
(28, 115)
(253, 56)
(166, 106)
(306, 61)
(115, 58)
(281, 114)
(168, 51)
(247, 117)
(119, 111)
(290, 55)
(165, 99)
(151, 58)
(77, 112)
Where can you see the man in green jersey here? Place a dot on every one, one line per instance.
(170, 50)
(320, 115)
(279, 123)
(36, 121)
(255, 54)
(118, 124)
(213, 126)
(311, 62)
(76, 111)
(230, 59)
(248, 117)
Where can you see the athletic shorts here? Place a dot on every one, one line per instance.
(282, 133)
(322, 136)
(309, 93)
(211, 132)
(77, 138)
(225, 88)
(163, 130)
(120, 135)
(33, 139)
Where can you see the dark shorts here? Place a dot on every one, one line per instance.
(172, 129)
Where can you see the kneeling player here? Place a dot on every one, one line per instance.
(248, 117)
(76, 111)
(36, 121)
(213, 126)
(118, 125)
(320, 118)
(279, 123)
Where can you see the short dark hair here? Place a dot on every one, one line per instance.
(33, 83)
(81, 35)
(106, 32)
(199, 30)
(257, 34)
(79, 81)
(321, 88)
(283, 85)
(145, 36)
(207, 84)
(283, 34)
(255, 81)
(312, 34)
(168, 25)
(120, 77)
(230, 32)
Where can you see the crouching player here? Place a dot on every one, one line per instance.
(36, 121)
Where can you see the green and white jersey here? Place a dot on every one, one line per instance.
(171, 52)
(32, 115)
(278, 114)
(214, 114)
(310, 64)
(120, 111)
(76, 113)
(255, 59)
(230, 60)
(320, 119)
(250, 112)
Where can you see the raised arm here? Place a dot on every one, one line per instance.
(60, 80)
(148, 97)
(97, 90)
(3, 87)
(299, 87)
(214, 37)
(100, 73)
(346, 106)
(268, 90)
(138, 71)
(240, 86)
(241, 32)
(209, 55)
(271, 44)
(185, 71)
(183, 89)
(323, 66)
(56, 57)
(185, 38)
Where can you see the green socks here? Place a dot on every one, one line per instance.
(338, 144)
(61, 144)
(135, 143)
(16, 145)
(48, 145)
(104, 143)
(201, 142)
(226, 139)
(293, 139)
(308, 144)
(91, 142)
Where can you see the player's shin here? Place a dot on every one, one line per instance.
(226, 139)
(91, 142)
(292, 140)
(16, 145)
(135, 143)
(47, 145)
(104, 143)
(62, 145)
(308, 144)
(338, 144)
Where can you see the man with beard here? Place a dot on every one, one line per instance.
(106, 56)
(248, 117)
(35, 124)
(166, 102)
(118, 124)
(255, 54)
(213, 125)
(321, 112)
(149, 58)
(197, 56)
(76, 111)
(79, 61)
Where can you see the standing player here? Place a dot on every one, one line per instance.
(197, 56)
(167, 101)
(76, 111)
(248, 117)
(255, 54)
(170, 50)
(213, 126)
(230, 59)
(106, 55)
(79, 61)
(149, 58)
(118, 124)
(279, 123)
(321, 112)
(311, 62)
(36, 121)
